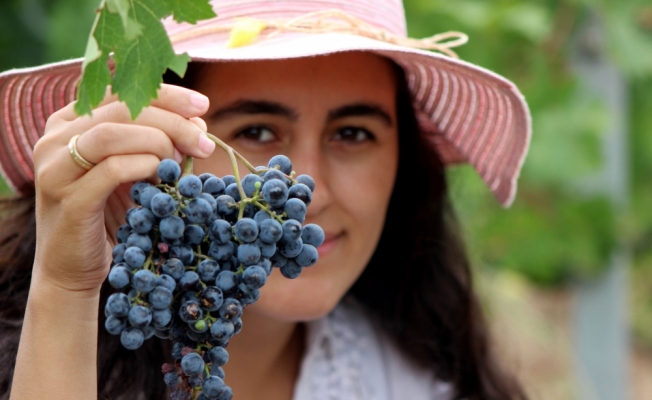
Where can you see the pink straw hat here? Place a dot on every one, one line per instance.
(469, 114)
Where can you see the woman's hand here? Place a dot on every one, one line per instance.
(75, 228)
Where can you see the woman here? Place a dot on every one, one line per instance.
(388, 312)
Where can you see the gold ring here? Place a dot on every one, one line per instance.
(72, 147)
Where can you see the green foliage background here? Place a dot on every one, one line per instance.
(555, 233)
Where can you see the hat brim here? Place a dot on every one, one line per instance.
(468, 113)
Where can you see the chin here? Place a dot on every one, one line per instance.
(310, 296)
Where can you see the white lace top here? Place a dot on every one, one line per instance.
(349, 358)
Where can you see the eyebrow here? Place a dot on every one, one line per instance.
(257, 107)
(254, 107)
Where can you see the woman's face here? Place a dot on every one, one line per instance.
(335, 117)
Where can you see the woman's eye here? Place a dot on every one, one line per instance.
(351, 134)
(259, 134)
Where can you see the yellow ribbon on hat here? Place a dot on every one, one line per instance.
(247, 30)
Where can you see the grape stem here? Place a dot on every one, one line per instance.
(230, 150)
(187, 169)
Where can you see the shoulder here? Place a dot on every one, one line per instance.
(349, 357)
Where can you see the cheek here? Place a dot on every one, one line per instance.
(359, 199)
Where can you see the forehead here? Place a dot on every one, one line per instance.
(334, 77)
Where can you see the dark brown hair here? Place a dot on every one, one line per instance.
(417, 285)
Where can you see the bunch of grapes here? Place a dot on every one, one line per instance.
(196, 252)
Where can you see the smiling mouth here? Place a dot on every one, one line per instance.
(329, 244)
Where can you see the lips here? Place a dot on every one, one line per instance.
(330, 242)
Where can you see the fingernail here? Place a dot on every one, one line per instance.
(177, 156)
(199, 101)
(205, 144)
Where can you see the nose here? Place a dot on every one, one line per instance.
(308, 158)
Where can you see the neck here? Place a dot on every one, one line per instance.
(265, 357)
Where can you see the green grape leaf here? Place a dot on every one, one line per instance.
(130, 33)
(189, 11)
(132, 28)
(179, 64)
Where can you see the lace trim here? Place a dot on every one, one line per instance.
(337, 372)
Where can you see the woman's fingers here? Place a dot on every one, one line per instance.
(186, 136)
(107, 139)
(94, 188)
(179, 100)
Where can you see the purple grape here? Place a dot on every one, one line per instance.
(193, 235)
(147, 194)
(172, 228)
(213, 387)
(301, 192)
(249, 184)
(198, 211)
(308, 256)
(290, 249)
(168, 171)
(192, 364)
(190, 186)
(173, 267)
(210, 199)
(261, 216)
(211, 298)
(271, 231)
(306, 180)
(254, 277)
(189, 280)
(226, 205)
(208, 270)
(144, 281)
(218, 356)
(119, 253)
(163, 205)
(171, 379)
(166, 281)
(246, 230)
(231, 309)
(214, 186)
(119, 277)
(275, 193)
(226, 281)
(139, 316)
(291, 230)
(276, 174)
(183, 253)
(123, 233)
(221, 252)
(161, 318)
(247, 295)
(142, 220)
(190, 311)
(220, 231)
(248, 254)
(295, 209)
(232, 191)
(278, 260)
(291, 270)
(144, 242)
(266, 249)
(205, 176)
(118, 305)
(282, 162)
(115, 325)
(222, 330)
(228, 179)
(160, 298)
(136, 189)
(312, 234)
